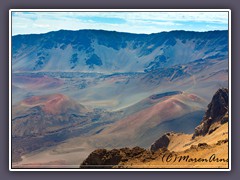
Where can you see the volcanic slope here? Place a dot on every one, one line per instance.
(111, 52)
(39, 122)
(207, 147)
(174, 112)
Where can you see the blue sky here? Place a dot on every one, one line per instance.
(134, 22)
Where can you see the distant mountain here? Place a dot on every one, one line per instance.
(110, 51)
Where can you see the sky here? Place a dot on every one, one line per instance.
(133, 22)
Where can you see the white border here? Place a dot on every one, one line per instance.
(117, 10)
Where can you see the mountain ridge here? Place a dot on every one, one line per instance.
(61, 30)
(110, 51)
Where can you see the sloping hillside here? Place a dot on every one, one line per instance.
(208, 149)
(110, 51)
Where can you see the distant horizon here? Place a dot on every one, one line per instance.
(32, 22)
(118, 31)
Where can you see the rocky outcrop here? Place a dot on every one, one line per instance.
(102, 158)
(162, 142)
(118, 158)
(216, 114)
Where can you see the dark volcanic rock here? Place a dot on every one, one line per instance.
(102, 158)
(118, 158)
(217, 112)
(162, 142)
(202, 145)
(222, 142)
